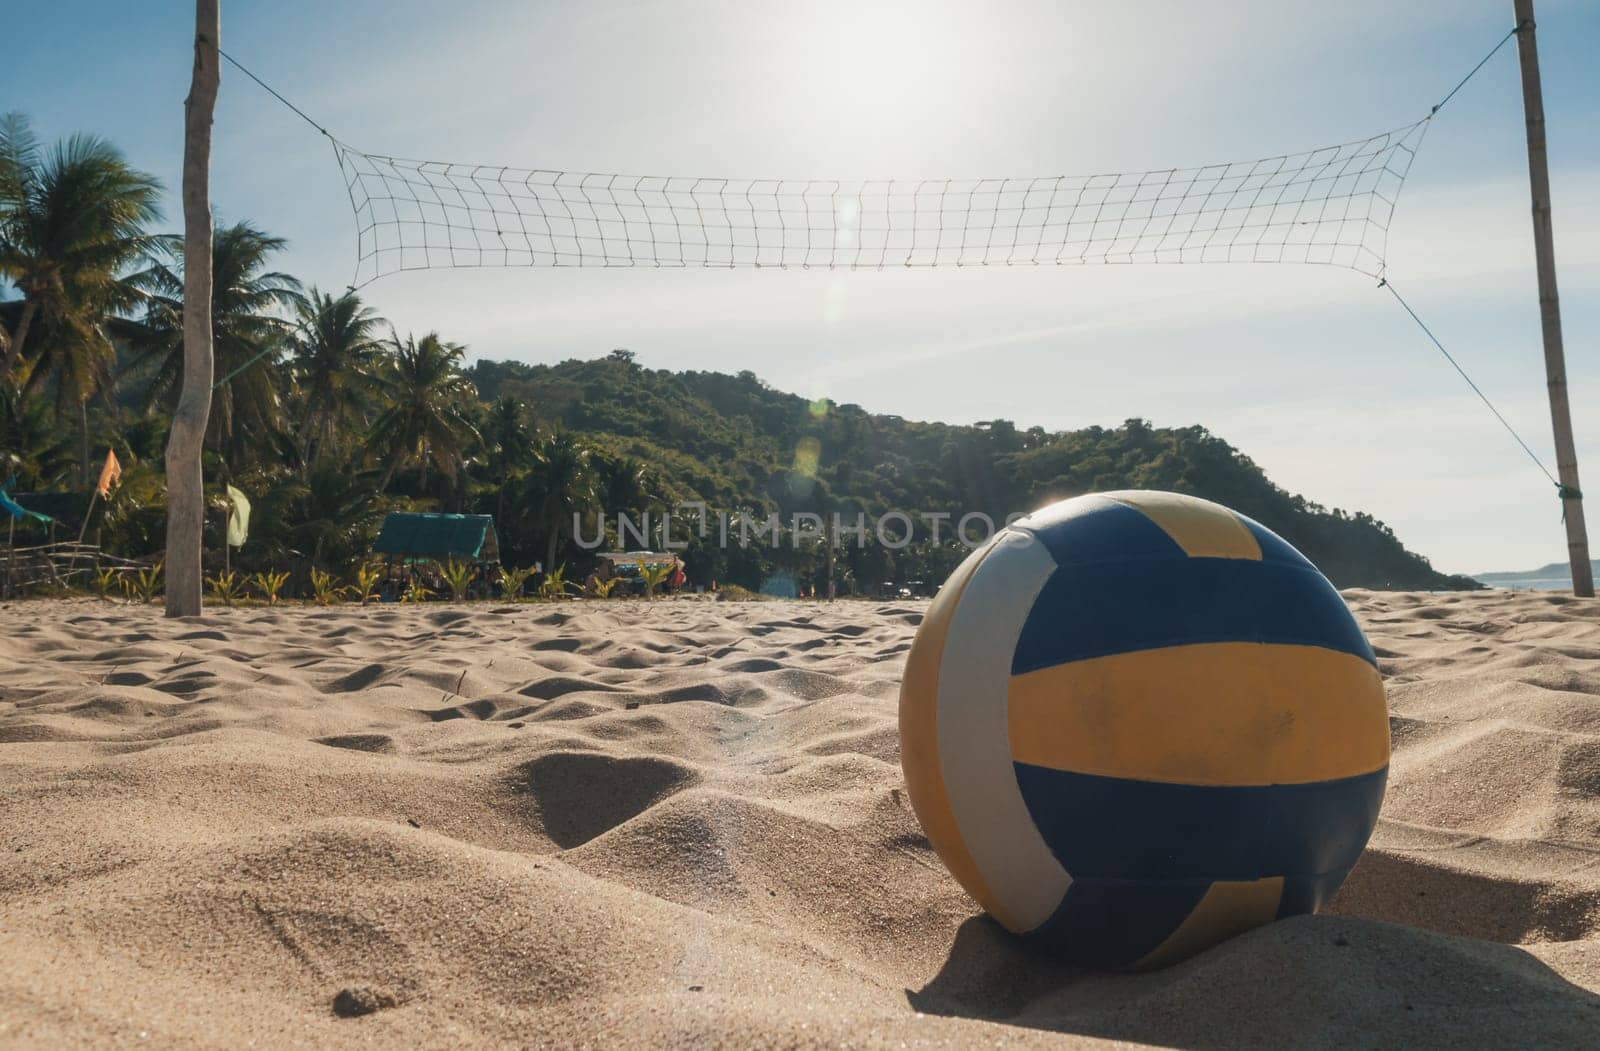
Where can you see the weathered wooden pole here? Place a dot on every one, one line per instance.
(1555, 366)
(185, 486)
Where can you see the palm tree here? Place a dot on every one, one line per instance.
(335, 357)
(561, 484)
(76, 362)
(509, 441)
(337, 512)
(249, 332)
(426, 418)
(33, 449)
(70, 224)
(624, 484)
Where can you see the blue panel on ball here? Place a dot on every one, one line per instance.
(1104, 530)
(1273, 547)
(1117, 828)
(1123, 606)
(1116, 924)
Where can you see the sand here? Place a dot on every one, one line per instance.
(604, 824)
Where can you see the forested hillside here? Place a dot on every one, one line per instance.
(735, 442)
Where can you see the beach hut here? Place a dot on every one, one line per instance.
(411, 538)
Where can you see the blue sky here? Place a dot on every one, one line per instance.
(1313, 372)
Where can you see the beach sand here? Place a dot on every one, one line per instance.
(622, 823)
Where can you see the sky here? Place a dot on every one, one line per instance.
(1313, 372)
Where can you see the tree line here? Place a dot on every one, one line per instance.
(327, 417)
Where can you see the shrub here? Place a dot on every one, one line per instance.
(653, 577)
(269, 584)
(105, 580)
(555, 583)
(512, 582)
(143, 586)
(226, 587)
(323, 588)
(367, 578)
(457, 576)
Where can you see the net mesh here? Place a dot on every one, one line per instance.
(1330, 206)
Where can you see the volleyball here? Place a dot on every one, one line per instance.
(1134, 724)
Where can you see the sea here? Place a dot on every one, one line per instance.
(1529, 583)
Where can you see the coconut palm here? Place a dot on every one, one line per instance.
(561, 484)
(250, 332)
(336, 355)
(75, 363)
(425, 420)
(509, 441)
(32, 449)
(624, 484)
(336, 515)
(71, 223)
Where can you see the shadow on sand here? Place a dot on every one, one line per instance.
(1313, 980)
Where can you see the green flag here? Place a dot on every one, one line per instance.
(238, 517)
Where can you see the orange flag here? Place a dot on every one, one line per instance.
(110, 475)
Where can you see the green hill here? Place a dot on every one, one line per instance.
(735, 442)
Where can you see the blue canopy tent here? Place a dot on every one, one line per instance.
(412, 540)
(409, 536)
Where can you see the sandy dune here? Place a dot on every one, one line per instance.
(684, 823)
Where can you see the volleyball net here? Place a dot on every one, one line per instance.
(1331, 206)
